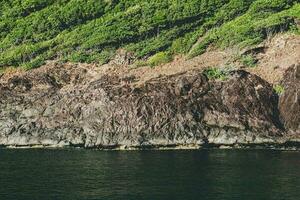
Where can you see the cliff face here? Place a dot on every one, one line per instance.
(74, 105)
(290, 100)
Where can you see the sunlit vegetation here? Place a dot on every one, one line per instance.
(33, 31)
(214, 73)
(279, 89)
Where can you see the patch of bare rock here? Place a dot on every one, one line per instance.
(77, 105)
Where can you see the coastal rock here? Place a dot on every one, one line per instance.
(290, 99)
(76, 106)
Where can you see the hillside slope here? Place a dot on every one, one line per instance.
(33, 31)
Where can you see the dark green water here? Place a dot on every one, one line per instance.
(153, 175)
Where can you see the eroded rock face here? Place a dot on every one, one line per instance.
(290, 99)
(75, 106)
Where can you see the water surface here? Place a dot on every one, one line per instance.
(152, 175)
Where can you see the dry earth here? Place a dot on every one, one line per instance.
(274, 57)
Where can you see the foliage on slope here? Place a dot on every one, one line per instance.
(32, 31)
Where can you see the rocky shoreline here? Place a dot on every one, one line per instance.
(74, 106)
(286, 146)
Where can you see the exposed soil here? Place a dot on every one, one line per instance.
(274, 57)
(280, 53)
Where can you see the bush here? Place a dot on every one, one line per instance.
(159, 58)
(216, 74)
(248, 61)
(279, 89)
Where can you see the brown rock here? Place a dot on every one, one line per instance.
(77, 106)
(290, 100)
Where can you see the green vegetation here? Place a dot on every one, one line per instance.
(216, 74)
(32, 31)
(263, 19)
(248, 61)
(279, 89)
(159, 58)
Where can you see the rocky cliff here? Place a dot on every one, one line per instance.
(290, 100)
(72, 105)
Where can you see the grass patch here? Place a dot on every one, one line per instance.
(214, 73)
(159, 58)
(248, 61)
(140, 63)
(279, 89)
